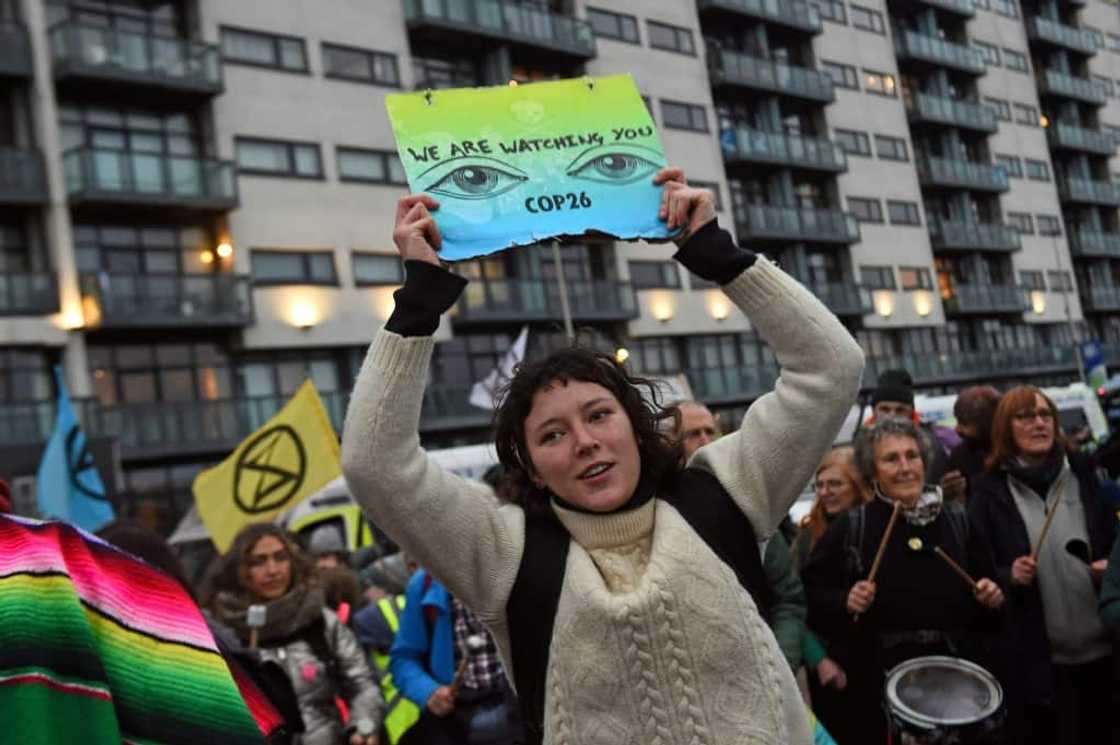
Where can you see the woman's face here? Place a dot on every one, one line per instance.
(268, 571)
(582, 445)
(1033, 429)
(834, 490)
(899, 468)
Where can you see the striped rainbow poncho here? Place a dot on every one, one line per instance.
(98, 647)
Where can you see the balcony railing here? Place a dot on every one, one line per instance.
(449, 407)
(96, 52)
(1091, 192)
(795, 14)
(23, 294)
(1100, 297)
(742, 70)
(754, 146)
(960, 7)
(1093, 243)
(933, 367)
(962, 174)
(539, 299)
(987, 299)
(1079, 138)
(1052, 32)
(1071, 86)
(508, 21)
(101, 175)
(769, 223)
(15, 51)
(927, 108)
(949, 235)
(728, 383)
(160, 301)
(915, 46)
(844, 299)
(23, 178)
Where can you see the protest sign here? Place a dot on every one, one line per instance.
(513, 165)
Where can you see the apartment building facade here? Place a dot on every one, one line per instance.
(196, 199)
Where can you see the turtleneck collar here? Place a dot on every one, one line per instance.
(594, 530)
(643, 493)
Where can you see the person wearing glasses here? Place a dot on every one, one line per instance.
(1055, 658)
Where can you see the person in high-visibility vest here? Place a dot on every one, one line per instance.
(376, 626)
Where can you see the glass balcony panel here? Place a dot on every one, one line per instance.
(1071, 86)
(793, 13)
(508, 20)
(753, 72)
(1093, 243)
(948, 234)
(953, 112)
(1080, 138)
(15, 50)
(1077, 39)
(910, 44)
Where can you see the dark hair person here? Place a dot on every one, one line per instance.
(602, 587)
(321, 656)
(1055, 659)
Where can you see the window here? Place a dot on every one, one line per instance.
(286, 53)
(677, 115)
(865, 210)
(1059, 281)
(915, 278)
(362, 65)
(989, 52)
(278, 158)
(1026, 115)
(1020, 221)
(1113, 131)
(1098, 37)
(143, 373)
(1049, 225)
(1006, 8)
(981, 4)
(1011, 164)
(854, 143)
(867, 19)
(648, 275)
(1038, 170)
(293, 267)
(376, 269)
(713, 187)
(613, 25)
(879, 83)
(830, 10)
(999, 107)
(891, 148)
(843, 76)
(670, 38)
(1015, 60)
(1106, 85)
(1113, 43)
(1032, 280)
(903, 213)
(877, 277)
(369, 166)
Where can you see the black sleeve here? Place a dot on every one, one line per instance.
(982, 565)
(981, 546)
(428, 292)
(826, 583)
(712, 255)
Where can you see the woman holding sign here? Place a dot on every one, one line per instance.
(625, 592)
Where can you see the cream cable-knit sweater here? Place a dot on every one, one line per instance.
(654, 641)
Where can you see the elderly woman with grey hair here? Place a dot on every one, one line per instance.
(916, 605)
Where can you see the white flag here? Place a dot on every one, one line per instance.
(484, 394)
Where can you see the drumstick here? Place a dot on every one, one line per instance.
(882, 548)
(1049, 518)
(475, 643)
(955, 567)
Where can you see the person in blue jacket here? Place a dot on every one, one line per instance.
(445, 662)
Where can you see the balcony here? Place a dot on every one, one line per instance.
(951, 235)
(458, 25)
(23, 178)
(764, 223)
(944, 367)
(743, 145)
(843, 298)
(31, 421)
(96, 176)
(742, 71)
(1069, 137)
(522, 300)
(1100, 298)
(1060, 35)
(1087, 191)
(929, 109)
(1057, 83)
(927, 50)
(165, 301)
(134, 62)
(447, 407)
(28, 294)
(963, 8)
(794, 14)
(987, 299)
(962, 174)
(1093, 244)
(15, 51)
(727, 383)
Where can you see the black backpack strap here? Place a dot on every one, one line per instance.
(853, 543)
(531, 614)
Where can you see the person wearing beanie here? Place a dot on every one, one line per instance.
(894, 397)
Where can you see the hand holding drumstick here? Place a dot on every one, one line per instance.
(862, 594)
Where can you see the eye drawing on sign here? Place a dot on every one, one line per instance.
(473, 177)
(617, 164)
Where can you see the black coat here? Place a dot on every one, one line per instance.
(1023, 651)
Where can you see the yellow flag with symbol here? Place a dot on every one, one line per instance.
(291, 457)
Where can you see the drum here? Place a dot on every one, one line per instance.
(943, 701)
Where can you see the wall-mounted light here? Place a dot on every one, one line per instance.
(923, 303)
(883, 300)
(661, 307)
(1038, 301)
(71, 319)
(303, 315)
(207, 257)
(719, 307)
(225, 250)
(1043, 121)
(621, 355)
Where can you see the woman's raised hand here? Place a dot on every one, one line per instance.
(683, 206)
(416, 233)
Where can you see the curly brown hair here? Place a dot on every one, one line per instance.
(230, 573)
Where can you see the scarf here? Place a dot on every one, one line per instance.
(1038, 477)
(284, 617)
(924, 511)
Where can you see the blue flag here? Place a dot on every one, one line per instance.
(69, 485)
